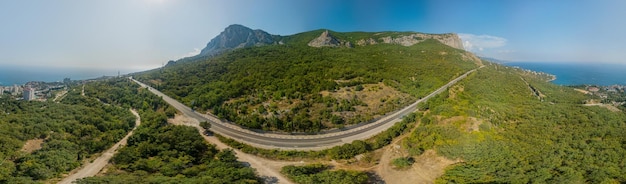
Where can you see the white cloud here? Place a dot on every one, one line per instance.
(481, 42)
(195, 51)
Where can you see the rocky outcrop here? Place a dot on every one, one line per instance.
(325, 40)
(449, 39)
(468, 56)
(369, 41)
(237, 36)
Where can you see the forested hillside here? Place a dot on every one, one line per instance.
(71, 131)
(158, 152)
(297, 88)
(504, 132)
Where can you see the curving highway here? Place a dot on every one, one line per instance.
(300, 142)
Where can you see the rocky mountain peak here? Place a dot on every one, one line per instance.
(236, 36)
(325, 40)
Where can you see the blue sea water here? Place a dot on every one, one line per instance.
(19, 75)
(566, 73)
(570, 73)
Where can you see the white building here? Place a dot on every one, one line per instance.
(15, 90)
(29, 93)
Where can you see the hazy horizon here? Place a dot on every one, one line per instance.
(19, 75)
(568, 73)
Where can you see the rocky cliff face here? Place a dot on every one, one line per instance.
(327, 40)
(449, 39)
(236, 36)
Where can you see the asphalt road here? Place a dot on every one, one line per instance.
(300, 142)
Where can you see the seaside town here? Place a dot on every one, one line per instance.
(35, 90)
(612, 97)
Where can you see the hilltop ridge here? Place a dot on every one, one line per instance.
(311, 81)
(238, 36)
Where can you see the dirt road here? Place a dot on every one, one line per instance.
(94, 167)
(269, 170)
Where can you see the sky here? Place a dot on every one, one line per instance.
(144, 34)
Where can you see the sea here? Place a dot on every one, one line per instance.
(579, 73)
(567, 73)
(19, 75)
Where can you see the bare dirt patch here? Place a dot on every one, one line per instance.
(378, 99)
(597, 102)
(426, 168)
(607, 106)
(467, 56)
(454, 90)
(32, 145)
(582, 91)
(468, 124)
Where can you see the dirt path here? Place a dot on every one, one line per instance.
(426, 168)
(610, 107)
(269, 170)
(60, 96)
(94, 167)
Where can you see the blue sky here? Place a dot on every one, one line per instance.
(143, 34)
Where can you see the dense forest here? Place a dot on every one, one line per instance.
(509, 126)
(158, 152)
(71, 130)
(296, 88)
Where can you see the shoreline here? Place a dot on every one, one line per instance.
(571, 74)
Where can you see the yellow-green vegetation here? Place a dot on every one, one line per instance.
(504, 134)
(319, 173)
(297, 88)
(403, 162)
(158, 152)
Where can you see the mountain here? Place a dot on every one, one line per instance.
(327, 40)
(237, 36)
(233, 37)
(312, 81)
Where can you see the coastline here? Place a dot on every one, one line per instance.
(20, 75)
(567, 74)
(553, 78)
